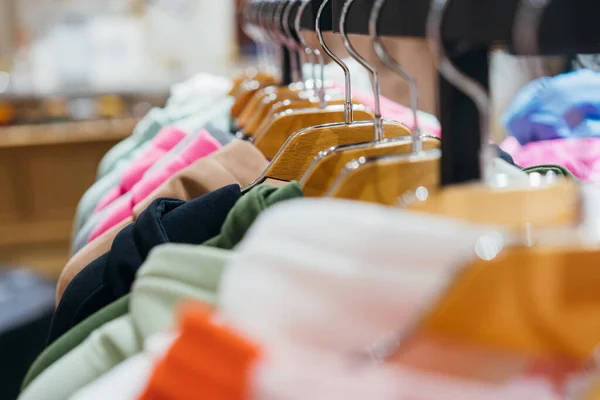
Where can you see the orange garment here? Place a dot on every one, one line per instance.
(206, 361)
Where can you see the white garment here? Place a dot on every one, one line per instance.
(127, 380)
(340, 275)
(310, 375)
(199, 85)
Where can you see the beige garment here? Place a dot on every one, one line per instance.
(238, 162)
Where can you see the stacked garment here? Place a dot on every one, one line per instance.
(557, 121)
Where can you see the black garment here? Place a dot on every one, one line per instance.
(110, 276)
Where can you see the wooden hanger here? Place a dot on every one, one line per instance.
(384, 180)
(380, 171)
(513, 207)
(248, 75)
(300, 149)
(245, 93)
(321, 175)
(262, 17)
(284, 124)
(526, 304)
(269, 95)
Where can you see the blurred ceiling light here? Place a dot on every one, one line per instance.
(4, 81)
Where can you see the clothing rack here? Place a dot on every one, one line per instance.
(310, 15)
(567, 26)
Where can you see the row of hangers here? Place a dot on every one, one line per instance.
(336, 147)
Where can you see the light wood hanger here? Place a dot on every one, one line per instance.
(267, 96)
(265, 116)
(292, 154)
(337, 119)
(382, 171)
(297, 153)
(539, 302)
(284, 124)
(324, 170)
(385, 179)
(250, 74)
(271, 27)
(245, 93)
(254, 26)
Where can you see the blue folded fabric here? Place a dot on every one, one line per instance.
(566, 106)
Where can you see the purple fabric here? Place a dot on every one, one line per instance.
(580, 156)
(201, 146)
(166, 139)
(565, 106)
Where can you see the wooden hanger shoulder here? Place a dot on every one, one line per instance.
(245, 94)
(385, 180)
(274, 137)
(261, 121)
(539, 300)
(299, 151)
(326, 169)
(260, 108)
(253, 103)
(510, 207)
(259, 76)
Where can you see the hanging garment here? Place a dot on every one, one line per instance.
(212, 91)
(144, 131)
(173, 273)
(202, 145)
(217, 109)
(233, 229)
(122, 203)
(128, 379)
(581, 157)
(237, 163)
(163, 142)
(75, 337)
(566, 106)
(248, 208)
(545, 169)
(110, 277)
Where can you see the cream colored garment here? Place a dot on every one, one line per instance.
(238, 162)
(310, 270)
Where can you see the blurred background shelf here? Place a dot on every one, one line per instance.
(44, 171)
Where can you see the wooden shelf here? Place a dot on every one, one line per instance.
(66, 132)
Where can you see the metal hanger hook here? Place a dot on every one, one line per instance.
(312, 52)
(377, 120)
(395, 66)
(348, 114)
(473, 89)
(528, 20)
